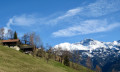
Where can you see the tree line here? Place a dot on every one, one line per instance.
(9, 34)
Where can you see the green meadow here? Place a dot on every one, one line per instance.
(15, 61)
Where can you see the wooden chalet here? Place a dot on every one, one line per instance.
(27, 48)
(16, 42)
(11, 42)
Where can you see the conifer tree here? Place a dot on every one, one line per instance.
(15, 35)
(66, 60)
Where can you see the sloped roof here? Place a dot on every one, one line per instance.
(11, 40)
(28, 46)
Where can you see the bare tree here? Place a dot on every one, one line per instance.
(98, 69)
(10, 34)
(25, 38)
(77, 57)
(56, 52)
(35, 41)
(72, 57)
(41, 52)
(49, 53)
(89, 63)
(2, 33)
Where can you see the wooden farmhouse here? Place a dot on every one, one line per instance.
(15, 43)
(11, 42)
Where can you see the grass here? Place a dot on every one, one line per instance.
(15, 61)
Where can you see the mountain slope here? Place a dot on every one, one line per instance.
(100, 53)
(15, 61)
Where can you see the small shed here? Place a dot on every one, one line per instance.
(11, 42)
(27, 48)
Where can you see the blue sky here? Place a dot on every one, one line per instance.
(58, 21)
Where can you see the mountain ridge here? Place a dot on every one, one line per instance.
(87, 44)
(100, 53)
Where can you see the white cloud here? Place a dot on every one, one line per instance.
(8, 26)
(28, 20)
(73, 17)
(93, 10)
(23, 20)
(86, 27)
(69, 13)
(96, 9)
(101, 7)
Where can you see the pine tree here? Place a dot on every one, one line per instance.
(66, 60)
(15, 35)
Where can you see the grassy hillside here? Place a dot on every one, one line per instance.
(15, 61)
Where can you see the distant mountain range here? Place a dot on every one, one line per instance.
(104, 54)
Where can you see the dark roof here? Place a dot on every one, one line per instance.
(12, 40)
(28, 46)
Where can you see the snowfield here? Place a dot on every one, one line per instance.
(87, 44)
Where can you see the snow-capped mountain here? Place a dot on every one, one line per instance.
(101, 53)
(88, 44)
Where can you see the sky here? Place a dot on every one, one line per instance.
(59, 21)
